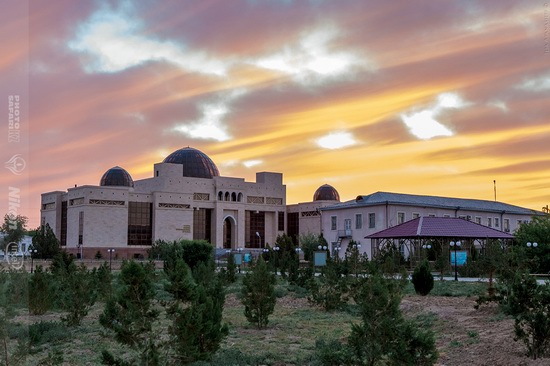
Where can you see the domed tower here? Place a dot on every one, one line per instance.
(326, 193)
(195, 163)
(116, 176)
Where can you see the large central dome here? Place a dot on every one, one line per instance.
(195, 163)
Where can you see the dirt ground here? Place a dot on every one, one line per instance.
(466, 336)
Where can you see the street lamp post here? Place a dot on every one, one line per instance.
(428, 247)
(455, 246)
(111, 250)
(336, 252)
(259, 238)
(31, 251)
(240, 250)
(276, 249)
(298, 250)
(532, 245)
(356, 248)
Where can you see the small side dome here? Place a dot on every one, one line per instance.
(195, 163)
(116, 177)
(326, 193)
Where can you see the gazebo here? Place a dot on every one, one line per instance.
(416, 237)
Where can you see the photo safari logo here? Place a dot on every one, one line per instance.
(15, 261)
(16, 164)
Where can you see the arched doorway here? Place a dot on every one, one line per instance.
(229, 231)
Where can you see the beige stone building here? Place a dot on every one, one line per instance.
(186, 198)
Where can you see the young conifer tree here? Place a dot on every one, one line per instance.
(130, 314)
(258, 294)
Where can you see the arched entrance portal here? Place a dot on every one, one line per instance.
(229, 231)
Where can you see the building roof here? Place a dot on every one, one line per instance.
(326, 193)
(440, 227)
(116, 176)
(382, 198)
(195, 163)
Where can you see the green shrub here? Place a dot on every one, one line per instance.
(231, 272)
(197, 329)
(258, 294)
(77, 294)
(40, 294)
(54, 358)
(330, 352)
(104, 281)
(384, 335)
(17, 287)
(130, 313)
(471, 269)
(530, 304)
(192, 252)
(422, 279)
(331, 290)
(47, 332)
(234, 357)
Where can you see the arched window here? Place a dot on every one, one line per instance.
(240, 197)
(233, 197)
(227, 196)
(220, 196)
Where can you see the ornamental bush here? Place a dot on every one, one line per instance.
(422, 279)
(258, 294)
(384, 336)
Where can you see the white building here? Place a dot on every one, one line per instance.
(366, 215)
(21, 248)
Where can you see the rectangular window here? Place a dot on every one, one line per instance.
(255, 223)
(497, 222)
(202, 224)
(281, 221)
(400, 218)
(431, 215)
(293, 226)
(450, 216)
(358, 221)
(333, 223)
(63, 238)
(490, 222)
(416, 215)
(507, 225)
(80, 227)
(347, 224)
(372, 221)
(140, 222)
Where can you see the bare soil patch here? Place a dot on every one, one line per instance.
(466, 336)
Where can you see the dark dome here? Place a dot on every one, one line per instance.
(116, 177)
(326, 193)
(195, 163)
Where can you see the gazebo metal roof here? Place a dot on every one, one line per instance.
(440, 227)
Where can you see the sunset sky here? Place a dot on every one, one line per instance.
(421, 97)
